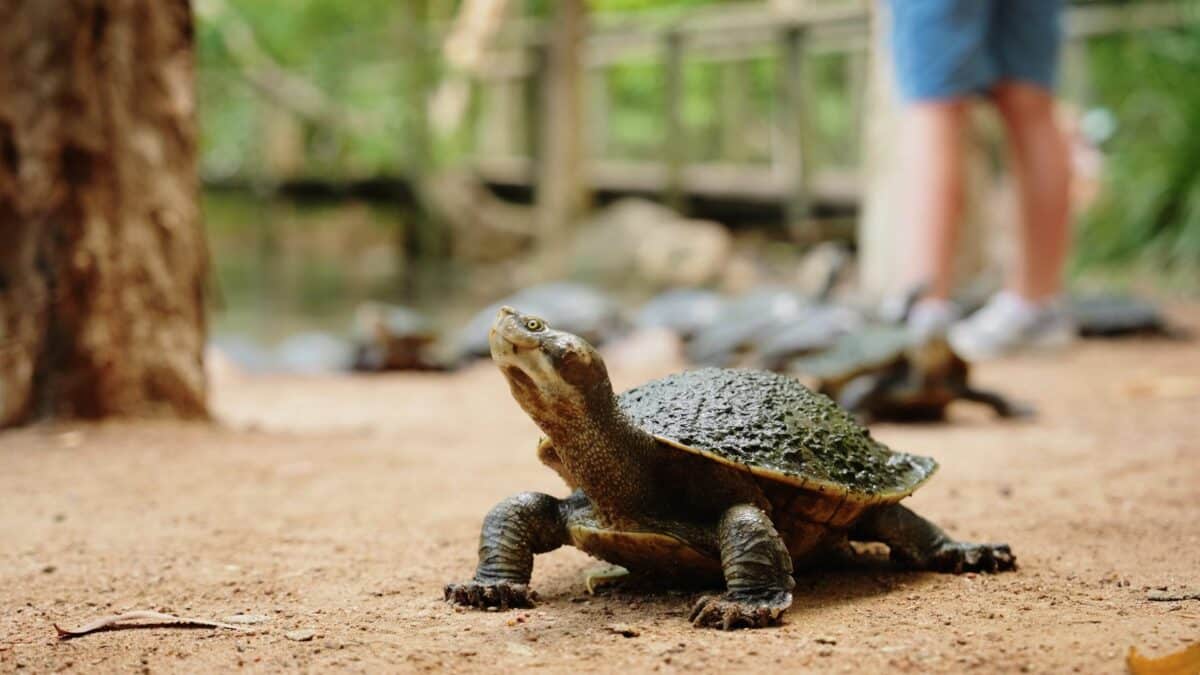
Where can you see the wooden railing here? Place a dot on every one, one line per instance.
(724, 34)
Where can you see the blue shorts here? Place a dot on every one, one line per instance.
(954, 48)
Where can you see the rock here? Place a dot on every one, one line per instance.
(519, 649)
(623, 629)
(302, 635)
(246, 619)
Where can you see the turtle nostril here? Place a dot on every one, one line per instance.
(506, 311)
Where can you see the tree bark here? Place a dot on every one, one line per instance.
(102, 257)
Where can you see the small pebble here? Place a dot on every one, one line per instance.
(303, 635)
(624, 630)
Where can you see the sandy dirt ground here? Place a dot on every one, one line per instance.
(340, 506)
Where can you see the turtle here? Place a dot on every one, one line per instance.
(816, 331)
(577, 307)
(390, 337)
(1118, 315)
(886, 371)
(763, 318)
(683, 311)
(733, 476)
(733, 334)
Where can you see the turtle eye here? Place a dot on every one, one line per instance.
(534, 325)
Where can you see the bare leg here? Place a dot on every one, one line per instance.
(513, 531)
(1041, 166)
(934, 190)
(920, 544)
(758, 573)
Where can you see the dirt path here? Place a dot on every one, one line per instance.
(342, 505)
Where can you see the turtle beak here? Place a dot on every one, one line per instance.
(508, 336)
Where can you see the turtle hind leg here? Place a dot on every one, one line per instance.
(758, 573)
(919, 544)
(1002, 406)
(513, 531)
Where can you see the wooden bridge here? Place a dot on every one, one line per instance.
(780, 174)
(728, 36)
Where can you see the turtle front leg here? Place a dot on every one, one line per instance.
(919, 544)
(513, 531)
(758, 573)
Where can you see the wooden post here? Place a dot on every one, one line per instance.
(562, 194)
(675, 139)
(735, 96)
(422, 241)
(535, 87)
(598, 107)
(793, 128)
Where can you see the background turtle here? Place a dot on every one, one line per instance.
(389, 337)
(707, 474)
(1115, 315)
(885, 372)
(683, 311)
(818, 330)
(743, 321)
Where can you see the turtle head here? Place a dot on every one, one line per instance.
(555, 376)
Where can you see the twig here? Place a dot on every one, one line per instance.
(114, 622)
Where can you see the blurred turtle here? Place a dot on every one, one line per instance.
(886, 372)
(818, 330)
(762, 316)
(1117, 315)
(578, 308)
(743, 321)
(683, 311)
(389, 337)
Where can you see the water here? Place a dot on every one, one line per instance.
(282, 267)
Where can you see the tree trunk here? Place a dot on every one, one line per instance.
(102, 257)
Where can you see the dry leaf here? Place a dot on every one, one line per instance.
(1185, 662)
(117, 622)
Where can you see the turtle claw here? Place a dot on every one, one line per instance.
(731, 611)
(479, 594)
(958, 557)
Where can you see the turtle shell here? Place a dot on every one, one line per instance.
(854, 353)
(776, 428)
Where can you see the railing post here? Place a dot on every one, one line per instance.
(535, 87)
(736, 94)
(794, 131)
(598, 113)
(675, 141)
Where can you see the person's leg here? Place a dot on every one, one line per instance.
(933, 191)
(941, 58)
(1041, 165)
(1024, 43)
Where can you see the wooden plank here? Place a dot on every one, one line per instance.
(833, 188)
(793, 129)
(675, 138)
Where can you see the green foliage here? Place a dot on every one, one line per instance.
(1150, 208)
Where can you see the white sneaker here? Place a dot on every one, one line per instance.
(931, 317)
(1009, 323)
